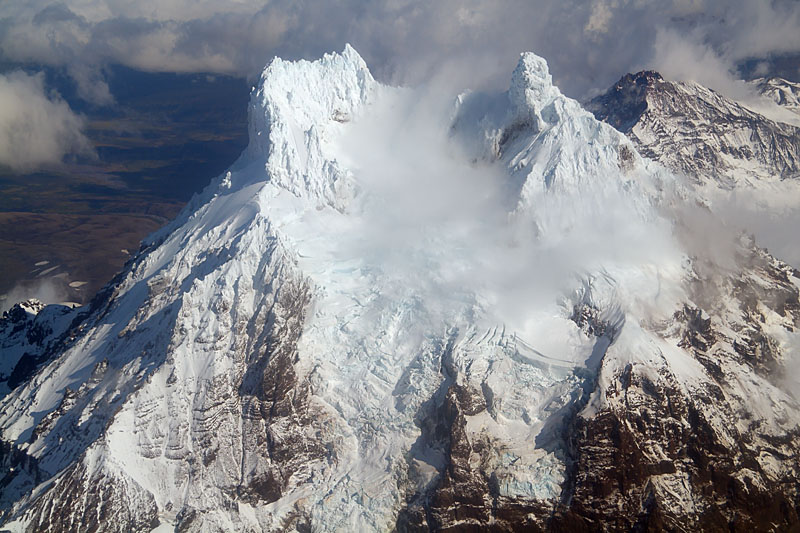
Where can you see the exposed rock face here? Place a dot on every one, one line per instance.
(660, 457)
(684, 468)
(257, 367)
(661, 453)
(698, 132)
(81, 501)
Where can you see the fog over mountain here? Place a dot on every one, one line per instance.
(468, 44)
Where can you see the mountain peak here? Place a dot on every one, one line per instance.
(20, 310)
(643, 77)
(312, 90)
(627, 98)
(294, 103)
(783, 92)
(531, 86)
(694, 120)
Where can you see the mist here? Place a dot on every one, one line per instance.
(791, 374)
(47, 291)
(770, 213)
(441, 219)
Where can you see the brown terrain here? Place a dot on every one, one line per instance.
(65, 231)
(69, 256)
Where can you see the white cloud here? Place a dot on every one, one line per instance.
(36, 128)
(685, 57)
(430, 201)
(588, 44)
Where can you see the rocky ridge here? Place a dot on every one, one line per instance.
(699, 133)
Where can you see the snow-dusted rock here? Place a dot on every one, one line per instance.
(695, 131)
(782, 92)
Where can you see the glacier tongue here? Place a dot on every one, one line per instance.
(380, 298)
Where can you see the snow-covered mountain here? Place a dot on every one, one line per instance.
(407, 311)
(700, 133)
(783, 92)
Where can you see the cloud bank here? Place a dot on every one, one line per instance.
(589, 45)
(36, 128)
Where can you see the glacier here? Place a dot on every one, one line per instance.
(277, 356)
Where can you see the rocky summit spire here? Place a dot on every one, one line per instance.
(531, 86)
(293, 106)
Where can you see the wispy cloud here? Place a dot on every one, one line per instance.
(48, 291)
(771, 213)
(430, 201)
(36, 128)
